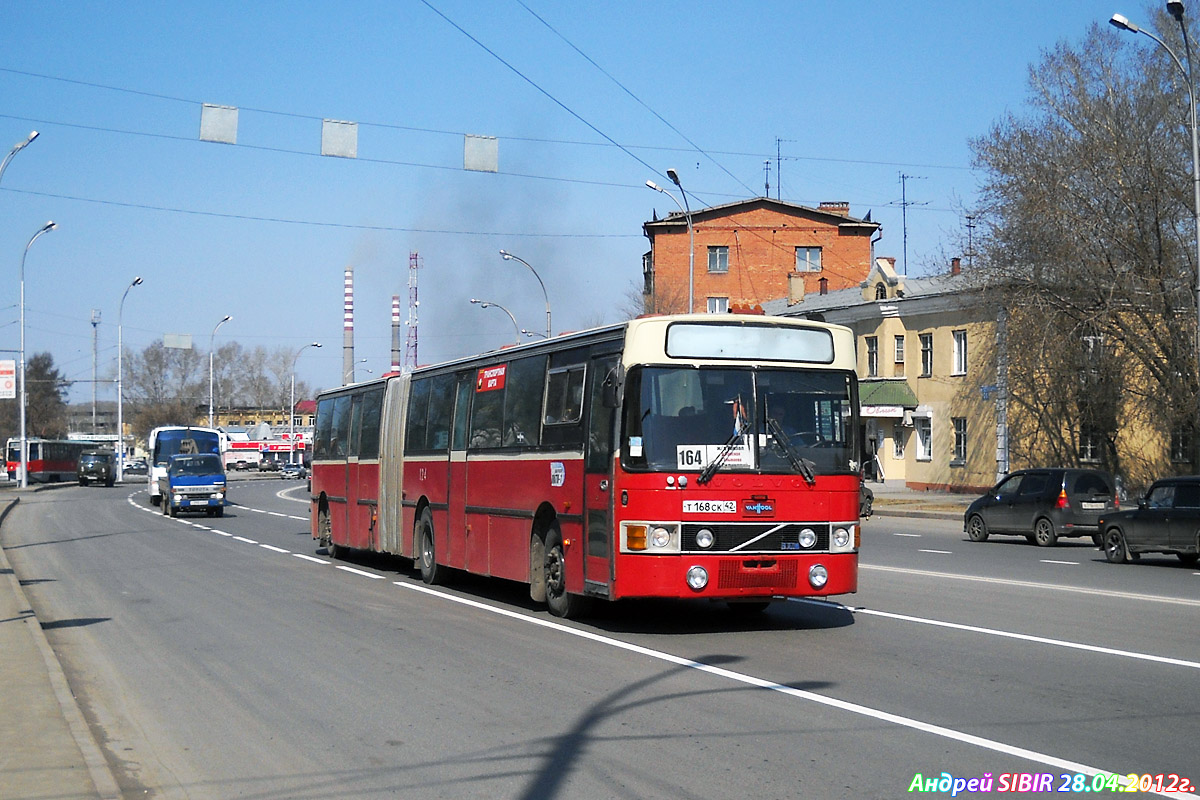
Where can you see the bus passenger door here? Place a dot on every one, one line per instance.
(456, 527)
(598, 480)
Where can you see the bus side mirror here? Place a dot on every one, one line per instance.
(610, 393)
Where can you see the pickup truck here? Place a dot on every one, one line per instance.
(193, 482)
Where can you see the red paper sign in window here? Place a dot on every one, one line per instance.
(491, 378)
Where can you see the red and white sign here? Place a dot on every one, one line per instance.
(491, 378)
(8, 379)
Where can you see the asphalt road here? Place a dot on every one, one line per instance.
(225, 658)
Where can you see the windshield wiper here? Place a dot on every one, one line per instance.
(798, 462)
(707, 473)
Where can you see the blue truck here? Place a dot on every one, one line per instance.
(193, 482)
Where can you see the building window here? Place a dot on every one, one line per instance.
(718, 305)
(872, 356)
(808, 259)
(1181, 445)
(1089, 444)
(880, 292)
(960, 353)
(898, 441)
(718, 259)
(926, 355)
(924, 431)
(899, 350)
(960, 440)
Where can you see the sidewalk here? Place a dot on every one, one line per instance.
(46, 748)
(893, 498)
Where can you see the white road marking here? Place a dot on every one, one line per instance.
(244, 539)
(276, 549)
(313, 559)
(359, 572)
(222, 533)
(1052, 561)
(276, 514)
(909, 535)
(1034, 585)
(1091, 648)
(749, 680)
(939, 552)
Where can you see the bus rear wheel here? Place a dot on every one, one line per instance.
(431, 573)
(325, 534)
(561, 603)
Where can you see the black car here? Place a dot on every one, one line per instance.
(96, 466)
(1044, 505)
(1166, 520)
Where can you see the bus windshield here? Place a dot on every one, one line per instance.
(174, 441)
(762, 420)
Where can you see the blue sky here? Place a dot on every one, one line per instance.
(857, 94)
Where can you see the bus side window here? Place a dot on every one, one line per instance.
(441, 394)
(418, 415)
(324, 428)
(462, 411)
(371, 404)
(522, 401)
(339, 437)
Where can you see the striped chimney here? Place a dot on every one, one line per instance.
(395, 333)
(348, 329)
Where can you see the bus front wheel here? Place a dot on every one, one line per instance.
(561, 603)
(431, 573)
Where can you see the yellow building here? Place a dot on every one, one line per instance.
(930, 399)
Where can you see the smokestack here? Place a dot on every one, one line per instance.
(955, 266)
(348, 329)
(395, 333)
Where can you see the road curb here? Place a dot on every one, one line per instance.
(93, 757)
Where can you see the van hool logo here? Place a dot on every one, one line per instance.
(759, 506)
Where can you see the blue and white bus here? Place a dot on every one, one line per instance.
(170, 440)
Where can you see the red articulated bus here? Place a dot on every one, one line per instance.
(50, 460)
(692, 456)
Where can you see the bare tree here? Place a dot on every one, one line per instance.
(1087, 241)
(45, 406)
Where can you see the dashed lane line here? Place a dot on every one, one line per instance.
(1024, 637)
(1055, 587)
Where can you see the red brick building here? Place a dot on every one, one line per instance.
(752, 251)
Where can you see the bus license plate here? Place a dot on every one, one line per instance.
(710, 506)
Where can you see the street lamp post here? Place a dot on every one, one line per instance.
(49, 226)
(292, 407)
(531, 334)
(489, 304)
(211, 337)
(1175, 7)
(685, 207)
(120, 395)
(510, 257)
(16, 148)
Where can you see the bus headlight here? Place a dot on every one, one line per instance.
(660, 538)
(818, 576)
(808, 537)
(697, 578)
(841, 538)
(704, 538)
